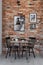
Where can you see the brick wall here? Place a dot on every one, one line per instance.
(10, 9)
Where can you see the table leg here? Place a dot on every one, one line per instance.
(26, 53)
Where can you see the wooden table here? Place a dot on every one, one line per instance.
(20, 44)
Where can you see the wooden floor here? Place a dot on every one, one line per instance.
(22, 61)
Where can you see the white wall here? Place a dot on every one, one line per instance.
(0, 26)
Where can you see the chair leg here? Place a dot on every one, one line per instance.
(26, 55)
(18, 53)
(33, 52)
(22, 53)
(7, 53)
(26, 52)
(29, 51)
(15, 54)
(10, 52)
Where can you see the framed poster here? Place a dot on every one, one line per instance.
(19, 22)
(32, 26)
(32, 17)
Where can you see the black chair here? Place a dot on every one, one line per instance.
(23, 47)
(31, 43)
(8, 46)
(16, 47)
(11, 48)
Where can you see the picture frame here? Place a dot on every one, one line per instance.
(32, 26)
(32, 17)
(19, 23)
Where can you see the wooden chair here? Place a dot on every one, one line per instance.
(31, 44)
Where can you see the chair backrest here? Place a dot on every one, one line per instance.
(8, 41)
(22, 38)
(32, 39)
